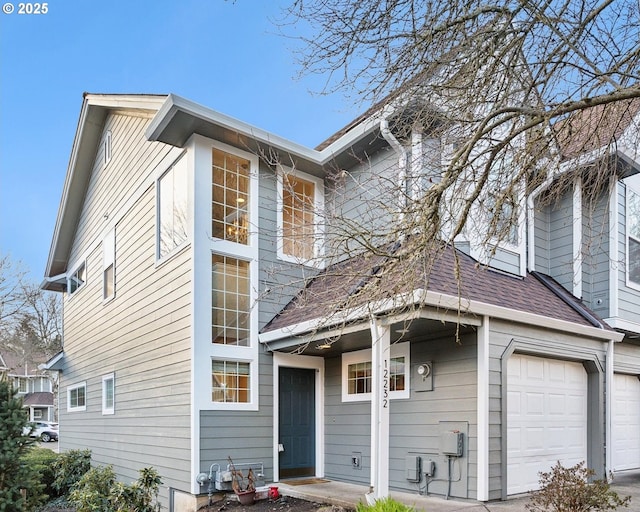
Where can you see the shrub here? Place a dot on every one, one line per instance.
(41, 462)
(69, 467)
(569, 490)
(92, 492)
(387, 504)
(15, 475)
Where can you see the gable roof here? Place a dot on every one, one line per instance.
(38, 398)
(433, 272)
(21, 365)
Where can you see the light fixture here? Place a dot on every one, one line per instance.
(240, 200)
(323, 346)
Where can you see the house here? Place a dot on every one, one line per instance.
(201, 321)
(34, 385)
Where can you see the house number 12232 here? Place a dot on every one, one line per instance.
(385, 384)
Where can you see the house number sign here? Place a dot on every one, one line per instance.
(385, 384)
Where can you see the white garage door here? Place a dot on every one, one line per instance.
(626, 422)
(546, 418)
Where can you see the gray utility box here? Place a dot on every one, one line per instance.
(412, 465)
(452, 443)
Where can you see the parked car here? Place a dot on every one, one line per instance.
(44, 430)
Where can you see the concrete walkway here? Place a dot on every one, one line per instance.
(349, 495)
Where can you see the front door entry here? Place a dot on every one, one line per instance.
(297, 422)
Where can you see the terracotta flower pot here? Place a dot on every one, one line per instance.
(246, 497)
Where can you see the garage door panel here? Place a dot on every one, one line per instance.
(626, 422)
(546, 418)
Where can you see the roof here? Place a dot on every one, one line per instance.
(38, 398)
(596, 127)
(433, 271)
(22, 365)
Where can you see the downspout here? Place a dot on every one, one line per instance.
(402, 164)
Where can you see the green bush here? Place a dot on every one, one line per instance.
(15, 475)
(387, 504)
(570, 490)
(98, 490)
(41, 462)
(69, 467)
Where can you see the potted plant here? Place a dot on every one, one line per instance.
(242, 485)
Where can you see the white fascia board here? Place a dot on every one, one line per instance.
(127, 101)
(53, 363)
(174, 104)
(625, 325)
(440, 300)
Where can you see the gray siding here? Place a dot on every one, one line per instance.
(628, 298)
(142, 335)
(561, 241)
(542, 240)
(504, 259)
(415, 424)
(626, 357)
(595, 255)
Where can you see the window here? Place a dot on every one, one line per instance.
(22, 384)
(77, 397)
(230, 381)
(173, 208)
(357, 374)
(230, 197)
(633, 237)
(106, 147)
(108, 394)
(77, 279)
(299, 204)
(108, 261)
(230, 313)
(37, 414)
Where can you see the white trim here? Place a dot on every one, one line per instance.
(72, 388)
(180, 160)
(609, 394)
(441, 301)
(577, 237)
(622, 324)
(106, 147)
(318, 206)
(380, 405)
(483, 410)
(614, 258)
(364, 356)
(109, 260)
(82, 263)
(296, 361)
(106, 409)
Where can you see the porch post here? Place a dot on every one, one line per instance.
(380, 361)
(483, 410)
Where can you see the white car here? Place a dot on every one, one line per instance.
(44, 430)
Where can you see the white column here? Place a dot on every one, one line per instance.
(577, 237)
(483, 410)
(608, 410)
(380, 362)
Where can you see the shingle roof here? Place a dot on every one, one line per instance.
(38, 398)
(595, 127)
(532, 293)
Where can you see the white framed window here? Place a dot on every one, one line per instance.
(22, 384)
(108, 265)
(109, 394)
(633, 238)
(37, 414)
(230, 381)
(231, 301)
(77, 279)
(106, 147)
(173, 208)
(299, 210)
(357, 374)
(77, 397)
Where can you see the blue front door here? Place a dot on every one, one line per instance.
(297, 422)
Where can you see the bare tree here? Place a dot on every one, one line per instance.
(483, 103)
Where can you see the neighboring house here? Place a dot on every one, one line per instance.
(193, 332)
(34, 385)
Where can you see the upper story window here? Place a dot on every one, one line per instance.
(230, 177)
(22, 384)
(173, 208)
(77, 279)
(633, 237)
(230, 308)
(77, 397)
(106, 147)
(300, 201)
(357, 374)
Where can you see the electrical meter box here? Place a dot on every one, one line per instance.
(451, 443)
(412, 465)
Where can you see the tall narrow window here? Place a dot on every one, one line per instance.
(230, 301)
(108, 394)
(230, 197)
(173, 208)
(108, 265)
(633, 237)
(230, 381)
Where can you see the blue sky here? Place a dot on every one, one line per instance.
(225, 55)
